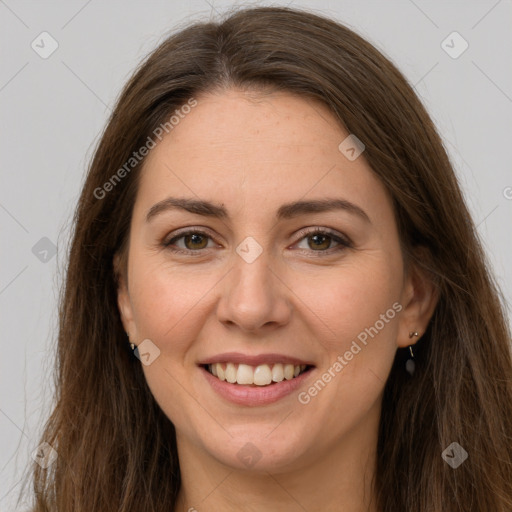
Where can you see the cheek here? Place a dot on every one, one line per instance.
(167, 300)
(350, 300)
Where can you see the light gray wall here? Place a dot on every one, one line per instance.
(54, 108)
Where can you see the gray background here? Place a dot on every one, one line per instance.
(54, 109)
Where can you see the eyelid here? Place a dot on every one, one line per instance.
(188, 230)
(341, 238)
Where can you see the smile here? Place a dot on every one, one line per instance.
(261, 375)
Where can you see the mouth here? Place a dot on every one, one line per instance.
(262, 375)
(253, 380)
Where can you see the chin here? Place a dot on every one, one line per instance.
(254, 450)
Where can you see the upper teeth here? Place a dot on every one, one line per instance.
(261, 375)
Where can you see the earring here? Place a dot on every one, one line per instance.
(132, 345)
(410, 365)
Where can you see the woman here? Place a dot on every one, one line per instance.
(276, 298)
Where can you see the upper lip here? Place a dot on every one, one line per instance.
(253, 360)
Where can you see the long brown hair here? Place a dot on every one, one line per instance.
(117, 449)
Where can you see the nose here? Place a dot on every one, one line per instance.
(254, 297)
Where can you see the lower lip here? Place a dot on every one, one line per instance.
(255, 395)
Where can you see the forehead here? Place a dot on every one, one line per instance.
(254, 152)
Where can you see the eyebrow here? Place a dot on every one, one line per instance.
(286, 211)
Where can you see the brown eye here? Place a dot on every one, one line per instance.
(188, 242)
(195, 241)
(319, 241)
(322, 241)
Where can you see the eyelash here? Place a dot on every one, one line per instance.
(342, 241)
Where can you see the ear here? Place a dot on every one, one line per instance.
(123, 298)
(419, 299)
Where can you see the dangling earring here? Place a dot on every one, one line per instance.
(410, 365)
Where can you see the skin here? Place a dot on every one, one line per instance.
(253, 152)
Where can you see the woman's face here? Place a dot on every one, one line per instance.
(255, 289)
